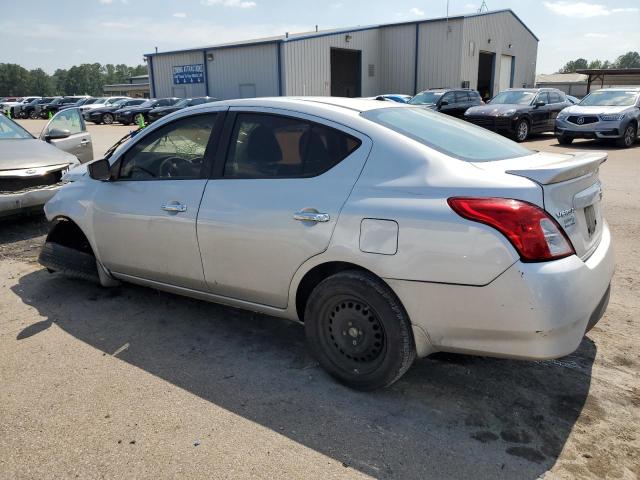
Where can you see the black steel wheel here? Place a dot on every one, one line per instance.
(359, 331)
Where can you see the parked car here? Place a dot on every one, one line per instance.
(464, 242)
(57, 104)
(106, 115)
(160, 112)
(519, 112)
(451, 101)
(393, 97)
(32, 109)
(10, 107)
(31, 169)
(80, 103)
(103, 102)
(130, 115)
(572, 99)
(610, 113)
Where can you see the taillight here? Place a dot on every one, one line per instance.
(534, 234)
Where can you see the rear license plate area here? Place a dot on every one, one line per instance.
(590, 217)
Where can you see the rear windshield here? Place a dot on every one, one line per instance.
(611, 98)
(446, 134)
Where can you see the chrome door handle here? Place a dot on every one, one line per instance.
(304, 216)
(84, 142)
(174, 207)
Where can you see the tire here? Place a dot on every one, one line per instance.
(107, 118)
(629, 136)
(23, 115)
(33, 115)
(562, 140)
(69, 262)
(137, 117)
(358, 330)
(522, 131)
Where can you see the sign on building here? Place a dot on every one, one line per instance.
(188, 74)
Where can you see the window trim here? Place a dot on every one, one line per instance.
(225, 145)
(209, 153)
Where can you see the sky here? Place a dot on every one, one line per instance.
(59, 34)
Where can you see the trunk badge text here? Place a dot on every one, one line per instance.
(568, 217)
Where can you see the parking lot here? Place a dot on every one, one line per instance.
(135, 383)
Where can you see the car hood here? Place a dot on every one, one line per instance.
(135, 109)
(31, 153)
(103, 109)
(493, 110)
(593, 110)
(166, 109)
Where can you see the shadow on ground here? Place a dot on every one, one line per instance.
(450, 417)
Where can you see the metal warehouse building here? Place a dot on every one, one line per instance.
(486, 51)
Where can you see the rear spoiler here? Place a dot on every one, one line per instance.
(582, 163)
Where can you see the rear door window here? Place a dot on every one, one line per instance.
(274, 146)
(462, 97)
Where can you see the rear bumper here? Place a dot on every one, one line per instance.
(531, 311)
(13, 203)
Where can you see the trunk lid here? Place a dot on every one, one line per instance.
(571, 188)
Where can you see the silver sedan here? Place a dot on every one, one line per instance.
(391, 231)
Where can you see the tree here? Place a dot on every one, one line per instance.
(595, 64)
(628, 60)
(14, 80)
(41, 83)
(573, 65)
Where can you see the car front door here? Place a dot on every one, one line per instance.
(274, 200)
(144, 220)
(447, 104)
(540, 114)
(68, 131)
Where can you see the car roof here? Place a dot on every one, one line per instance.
(620, 89)
(352, 104)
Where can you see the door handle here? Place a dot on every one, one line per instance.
(174, 207)
(310, 216)
(84, 142)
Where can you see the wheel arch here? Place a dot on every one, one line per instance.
(65, 231)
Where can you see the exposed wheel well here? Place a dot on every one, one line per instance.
(316, 275)
(65, 232)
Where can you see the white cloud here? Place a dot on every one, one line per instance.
(583, 9)
(416, 11)
(180, 15)
(106, 2)
(596, 35)
(229, 3)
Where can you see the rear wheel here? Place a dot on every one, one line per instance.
(107, 119)
(138, 118)
(563, 140)
(522, 131)
(33, 115)
(629, 137)
(359, 331)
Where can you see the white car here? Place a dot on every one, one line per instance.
(7, 107)
(390, 230)
(102, 102)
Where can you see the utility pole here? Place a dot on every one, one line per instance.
(483, 8)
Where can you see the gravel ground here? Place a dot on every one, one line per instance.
(133, 383)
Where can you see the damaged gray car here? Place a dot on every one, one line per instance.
(31, 169)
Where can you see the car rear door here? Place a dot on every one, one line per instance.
(145, 220)
(556, 104)
(78, 142)
(274, 200)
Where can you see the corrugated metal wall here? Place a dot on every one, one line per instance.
(307, 63)
(440, 45)
(250, 71)
(503, 29)
(397, 59)
(163, 75)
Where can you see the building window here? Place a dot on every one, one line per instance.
(372, 70)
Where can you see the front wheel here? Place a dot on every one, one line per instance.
(359, 331)
(629, 137)
(107, 119)
(138, 118)
(522, 131)
(563, 140)
(33, 115)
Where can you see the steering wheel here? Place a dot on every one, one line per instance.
(171, 166)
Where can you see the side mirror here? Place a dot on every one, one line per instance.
(57, 134)
(539, 104)
(444, 103)
(99, 170)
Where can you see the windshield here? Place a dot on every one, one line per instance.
(149, 103)
(448, 135)
(183, 103)
(610, 98)
(426, 98)
(121, 102)
(11, 130)
(513, 97)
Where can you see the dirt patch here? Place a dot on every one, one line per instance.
(22, 237)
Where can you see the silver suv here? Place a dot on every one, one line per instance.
(608, 113)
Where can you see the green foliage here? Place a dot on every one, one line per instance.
(85, 79)
(628, 60)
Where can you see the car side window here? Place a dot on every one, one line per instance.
(174, 152)
(543, 97)
(555, 98)
(462, 97)
(448, 97)
(273, 146)
(67, 120)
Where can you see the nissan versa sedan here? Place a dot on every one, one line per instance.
(519, 112)
(610, 113)
(390, 231)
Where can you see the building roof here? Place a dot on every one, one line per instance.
(561, 78)
(610, 71)
(292, 37)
